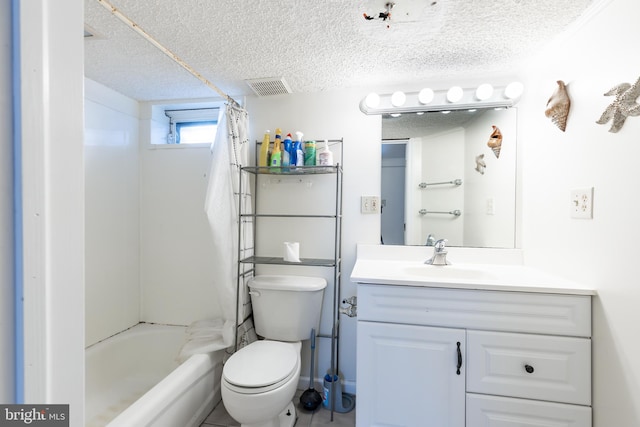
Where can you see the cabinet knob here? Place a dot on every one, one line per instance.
(529, 369)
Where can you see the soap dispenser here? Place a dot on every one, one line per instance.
(325, 156)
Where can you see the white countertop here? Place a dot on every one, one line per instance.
(472, 268)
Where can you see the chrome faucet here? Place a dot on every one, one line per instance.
(439, 254)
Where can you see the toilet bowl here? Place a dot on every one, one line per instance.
(259, 381)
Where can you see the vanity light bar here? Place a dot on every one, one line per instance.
(455, 98)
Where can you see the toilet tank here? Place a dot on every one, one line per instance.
(286, 308)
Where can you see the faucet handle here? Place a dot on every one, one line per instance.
(440, 245)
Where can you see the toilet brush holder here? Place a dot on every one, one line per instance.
(343, 402)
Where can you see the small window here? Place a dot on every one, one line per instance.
(192, 126)
(196, 132)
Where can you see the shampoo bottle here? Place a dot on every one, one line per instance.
(276, 155)
(297, 148)
(310, 153)
(325, 156)
(263, 160)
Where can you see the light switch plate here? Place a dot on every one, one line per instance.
(369, 204)
(491, 206)
(582, 203)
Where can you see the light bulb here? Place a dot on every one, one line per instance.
(513, 90)
(454, 94)
(398, 99)
(484, 92)
(425, 96)
(372, 100)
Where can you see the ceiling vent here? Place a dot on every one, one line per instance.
(269, 86)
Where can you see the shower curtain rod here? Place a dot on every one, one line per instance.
(135, 27)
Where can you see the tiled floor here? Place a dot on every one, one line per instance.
(320, 417)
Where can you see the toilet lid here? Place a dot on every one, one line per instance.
(261, 364)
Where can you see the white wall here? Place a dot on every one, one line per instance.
(112, 293)
(496, 184)
(333, 115)
(6, 209)
(443, 160)
(601, 252)
(175, 241)
(53, 203)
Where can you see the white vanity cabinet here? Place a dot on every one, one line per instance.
(524, 358)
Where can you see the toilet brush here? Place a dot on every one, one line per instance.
(311, 399)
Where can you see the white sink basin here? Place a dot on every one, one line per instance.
(404, 266)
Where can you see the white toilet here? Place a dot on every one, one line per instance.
(260, 380)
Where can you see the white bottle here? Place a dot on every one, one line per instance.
(325, 156)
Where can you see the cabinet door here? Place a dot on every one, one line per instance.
(408, 376)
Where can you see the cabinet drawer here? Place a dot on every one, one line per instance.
(529, 366)
(493, 411)
(553, 314)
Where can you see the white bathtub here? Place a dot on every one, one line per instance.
(134, 380)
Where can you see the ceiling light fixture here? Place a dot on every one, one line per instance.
(455, 98)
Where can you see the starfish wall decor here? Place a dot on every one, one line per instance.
(623, 106)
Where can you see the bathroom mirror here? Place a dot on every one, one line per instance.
(440, 179)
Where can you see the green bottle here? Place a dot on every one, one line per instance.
(310, 153)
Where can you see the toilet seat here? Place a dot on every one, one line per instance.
(261, 366)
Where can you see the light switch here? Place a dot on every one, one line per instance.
(369, 204)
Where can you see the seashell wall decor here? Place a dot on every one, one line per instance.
(495, 141)
(480, 164)
(623, 106)
(558, 106)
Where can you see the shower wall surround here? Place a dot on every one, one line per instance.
(112, 295)
(147, 238)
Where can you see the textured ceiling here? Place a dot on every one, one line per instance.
(314, 45)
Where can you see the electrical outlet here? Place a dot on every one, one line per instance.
(369, 204)
(582, 203)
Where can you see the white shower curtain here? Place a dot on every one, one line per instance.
(228, 153)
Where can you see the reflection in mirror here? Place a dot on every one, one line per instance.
(440, 179)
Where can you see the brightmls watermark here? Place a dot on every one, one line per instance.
(34, 415)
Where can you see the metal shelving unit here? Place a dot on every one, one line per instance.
(333, 263)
